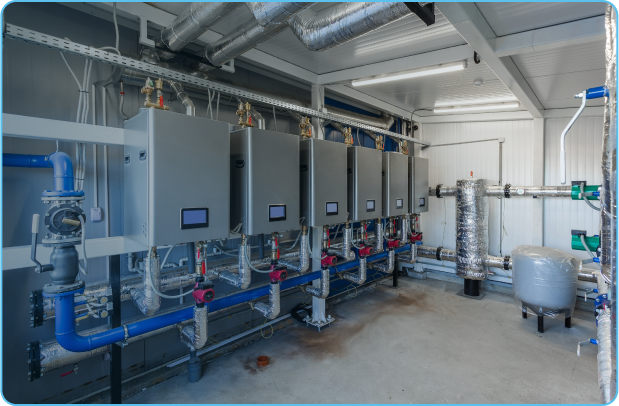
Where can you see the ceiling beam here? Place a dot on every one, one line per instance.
(446, 55)
(542, 39)
(471, 24)
(158, 19)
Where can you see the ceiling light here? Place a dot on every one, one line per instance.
(476, 102)
(477, 108)
(444, 68)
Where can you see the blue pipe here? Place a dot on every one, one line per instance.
(60, 161)
(597, 92)
(70, 340)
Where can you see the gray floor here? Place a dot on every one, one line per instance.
(417, 344)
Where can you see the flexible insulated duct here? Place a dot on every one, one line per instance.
(248, 35)
(196, 335)
(274, 13)
(343, 22)
(194, 21)
(471, 228)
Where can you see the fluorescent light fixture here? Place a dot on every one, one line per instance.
(444, 68)
(463, 103)
(477, 108)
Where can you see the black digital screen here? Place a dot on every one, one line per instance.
(399, 203)
(277, 212)
(331, 208)
(422, 202)
(194, 218)
(370, 205)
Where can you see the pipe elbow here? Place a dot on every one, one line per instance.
(63, 171)
(74, 342)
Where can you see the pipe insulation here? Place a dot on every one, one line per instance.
(361, 275)
(270, 310)
(273, 13)
(321, 291)
(343, 22)
(514, 191)
(242, 279)
(181, 94)
(196, 335)
(389, 265)
(146, 299)
(302, 265)
(471, 229)
(346, 252)
(194, 21)
(250, 34)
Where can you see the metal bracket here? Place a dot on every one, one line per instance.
(438, 190)
(37, 313)
(143, 33)
(438, 253)
(228, 67)
(425, 13)
(507, 191)
(506, 262)
(34, 360)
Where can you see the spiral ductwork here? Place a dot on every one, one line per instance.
(274, 13)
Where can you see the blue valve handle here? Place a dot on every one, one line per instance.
(593, 341)
(597, 92)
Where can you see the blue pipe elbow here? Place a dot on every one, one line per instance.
(63, 171)
(66, 335)
(597, 92)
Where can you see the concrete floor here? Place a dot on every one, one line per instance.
(419, 343)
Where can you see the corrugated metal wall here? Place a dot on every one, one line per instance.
(583, 146)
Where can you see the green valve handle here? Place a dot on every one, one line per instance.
(593, 189)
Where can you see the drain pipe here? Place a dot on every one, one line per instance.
(271, 310)
(302, 265)
(242, 280)
(146, 299)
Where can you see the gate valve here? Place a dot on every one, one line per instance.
(393, 244)
(203, 292)
(416, 237)
(278, 275)
(328, 261)
(364, 251)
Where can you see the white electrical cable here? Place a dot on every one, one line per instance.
(249, 262)
(152, 283)
(85, 268)
(582, 191)
(298, 235)
(116, 28)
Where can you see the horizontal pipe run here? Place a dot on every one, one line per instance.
(514, 191)
(25, 161)
(68, 338)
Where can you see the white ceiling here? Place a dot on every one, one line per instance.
(554, 75)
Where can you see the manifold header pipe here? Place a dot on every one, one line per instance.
(512, 191)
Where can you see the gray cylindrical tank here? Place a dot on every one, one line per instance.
(471, 228)
(544, 278)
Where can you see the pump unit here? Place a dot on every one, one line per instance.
(323, 182)
(395, 184)
(418, 184)
(264, 181)
(365, 201)
(176, 178)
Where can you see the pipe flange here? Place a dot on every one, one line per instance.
(438, 190)
(51, 290)
(507, 191)
(506, 262)
(438, 253)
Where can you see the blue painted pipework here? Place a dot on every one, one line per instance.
(597, 92)
(70, 340)
(60, 161)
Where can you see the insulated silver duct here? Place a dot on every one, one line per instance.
(177, 87)
(242, 279)
(471, 228)
(196, 335)
(384, 122)
(271, 310)
(360, 276)
(146, 299)
(194, 21)
(343, 22)
(389, 265)
(302, 265)
(267, 13)
(322, 291)
(248, 35)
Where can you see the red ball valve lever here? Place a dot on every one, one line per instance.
(328, 261)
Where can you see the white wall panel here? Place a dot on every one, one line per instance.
(583, 148)
(450, 163)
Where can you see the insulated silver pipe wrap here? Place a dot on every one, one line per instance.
(146, 299)
(404, 230)
(322, 291)
(471, 228)
(272, 309)
(384, 122)
(347, 253)
(194, 21)
(529, 191)
(247, 36)
(389, 265)
(380, 237)
(445, 191)
(343, 22)
(177, 87)
(605, 370)
(273, 13)
(302, 265)
(242, 279)
(196, 335)
(361, 275)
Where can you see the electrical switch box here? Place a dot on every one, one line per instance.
(323, 182)
(176, 178)
(365, 200)
(264, 181)
(418, 184)
(395, 184)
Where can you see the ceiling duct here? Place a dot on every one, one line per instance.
(344, 22)
(250, 34)
(194, 21)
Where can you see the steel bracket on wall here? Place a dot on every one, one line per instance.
(425, 13)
